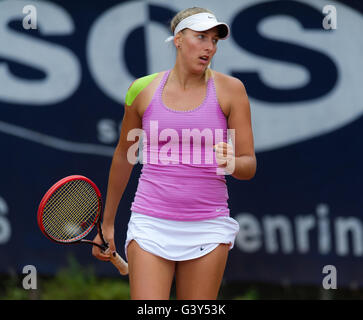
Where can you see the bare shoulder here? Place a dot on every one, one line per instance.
(229, 90)
(228, 83)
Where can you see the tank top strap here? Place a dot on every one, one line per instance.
(211, 91)
(162, 83)
(156, 101)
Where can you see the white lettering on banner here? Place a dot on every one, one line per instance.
(106, 43)
(276, 233)
(344, 227)
(5, 228)
(61, 66)
(272, 225)
(274, 125)
(282, 124)
(249, 237)
(107, 131)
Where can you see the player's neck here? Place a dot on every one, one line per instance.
(185, 79)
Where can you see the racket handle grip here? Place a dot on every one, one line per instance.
(120, 264)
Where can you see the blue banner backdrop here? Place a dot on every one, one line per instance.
(62, 90)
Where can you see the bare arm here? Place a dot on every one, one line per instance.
(240, 120)
(243, 164)
(121, 168)
(119, 176)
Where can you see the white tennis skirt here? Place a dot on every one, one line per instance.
(180, 240)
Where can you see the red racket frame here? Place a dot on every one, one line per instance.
(79, 238)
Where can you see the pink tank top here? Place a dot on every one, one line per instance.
(179, 179)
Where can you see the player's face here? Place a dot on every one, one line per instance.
(199, 47)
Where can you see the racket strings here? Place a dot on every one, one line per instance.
(72, 198)
(61, 198)
(71, 210)
(60, 203)
(71, 213)
(70, 205)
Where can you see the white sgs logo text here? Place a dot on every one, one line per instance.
(5, 229)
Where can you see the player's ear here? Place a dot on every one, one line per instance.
(178, 39)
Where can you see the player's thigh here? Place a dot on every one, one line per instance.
(150, 276)
(201, 278)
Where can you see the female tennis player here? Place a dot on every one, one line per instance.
(180, 225)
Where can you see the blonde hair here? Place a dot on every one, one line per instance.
(181, 15)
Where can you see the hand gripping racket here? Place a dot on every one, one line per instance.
(69, 211)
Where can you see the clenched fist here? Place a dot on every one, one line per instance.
(224, 157)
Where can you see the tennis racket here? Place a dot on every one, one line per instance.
(69, 211)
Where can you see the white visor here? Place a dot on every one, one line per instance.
(202, 22)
